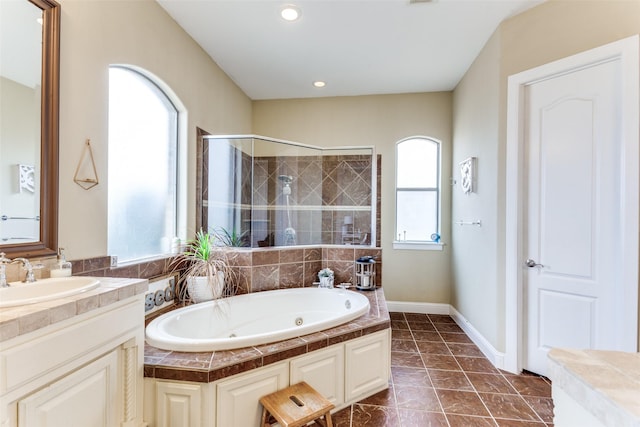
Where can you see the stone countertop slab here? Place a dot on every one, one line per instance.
(20, 320)
(605, 383)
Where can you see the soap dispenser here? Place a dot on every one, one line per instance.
(63, 267)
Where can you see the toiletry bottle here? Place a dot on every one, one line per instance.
(63, 268)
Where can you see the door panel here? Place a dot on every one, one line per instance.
(574, 184)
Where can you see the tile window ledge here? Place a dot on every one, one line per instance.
(417, 245)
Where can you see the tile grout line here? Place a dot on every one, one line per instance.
(464, 373)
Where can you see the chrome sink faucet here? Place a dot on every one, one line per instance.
(29, 276)
(3, 270)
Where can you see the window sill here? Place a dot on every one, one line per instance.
(418, 246)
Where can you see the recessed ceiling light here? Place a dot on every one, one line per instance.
(290, 12)
(319, 83)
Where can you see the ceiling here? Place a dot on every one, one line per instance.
(358, 47)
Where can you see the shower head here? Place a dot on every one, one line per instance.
(287, 179)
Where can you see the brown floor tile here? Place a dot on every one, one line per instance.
(469, 421)
(421, 398)
(417, 316)
(490, 383)
(448, 327)
(528, 385)
(374, 416)
(467, 350)
(508, 406)
(410, 376)
(461, 403)
(456, 337)
(517, 423)
(440, 361)
(452, 380)
(441, 318)
(427, 336)
(382, 398)
(342, 418)
(543, 407)
(440, 378)
(404, 345)
(431, 347)
(476, 364)
(399, 324)
(416, 325)
(412, 417)
(411, 360)
(401, 334)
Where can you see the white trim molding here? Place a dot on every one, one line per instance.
(418, 307)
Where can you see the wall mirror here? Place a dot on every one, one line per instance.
(29, 87)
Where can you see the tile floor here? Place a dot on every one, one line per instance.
(439, 378)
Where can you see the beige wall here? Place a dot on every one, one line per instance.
(553, 30)
(95, 34)
(474, 256)
(380, 121)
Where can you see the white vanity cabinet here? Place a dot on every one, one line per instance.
(85, 371)
(344, 373)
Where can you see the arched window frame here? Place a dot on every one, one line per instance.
(430, 240)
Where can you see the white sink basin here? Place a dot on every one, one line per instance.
(44, 290)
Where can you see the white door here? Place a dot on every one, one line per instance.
(574, 182)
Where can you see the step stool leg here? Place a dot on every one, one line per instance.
(265, 418)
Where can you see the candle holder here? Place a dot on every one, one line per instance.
(366, 273)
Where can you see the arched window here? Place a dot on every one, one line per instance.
(417, 191)
(143, 167)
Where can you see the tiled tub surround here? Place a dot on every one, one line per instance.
(595, 388)
(212, 366)
(256, 269)
(20, 320)
(346, 363)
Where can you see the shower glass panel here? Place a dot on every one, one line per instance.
(261, 192)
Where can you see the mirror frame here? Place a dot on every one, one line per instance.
(49, 135)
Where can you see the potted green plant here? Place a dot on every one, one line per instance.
(205, 270)
(232, 238)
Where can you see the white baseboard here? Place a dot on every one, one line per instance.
(495, 357)
(418, 307)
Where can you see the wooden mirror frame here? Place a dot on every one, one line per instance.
(49, 135)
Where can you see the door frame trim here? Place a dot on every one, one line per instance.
(627, 51)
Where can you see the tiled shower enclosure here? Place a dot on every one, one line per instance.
(260, 192)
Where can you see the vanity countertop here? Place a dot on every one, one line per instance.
(605, 383)
(20, 320)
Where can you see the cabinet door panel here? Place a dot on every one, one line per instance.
(179, 405)
(324, 371)
(238, 398)
(368, 364)
(86, 397)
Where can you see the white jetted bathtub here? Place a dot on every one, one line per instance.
(254, 319)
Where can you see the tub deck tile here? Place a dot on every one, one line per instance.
(212, 366)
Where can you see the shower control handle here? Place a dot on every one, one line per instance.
(531, 263)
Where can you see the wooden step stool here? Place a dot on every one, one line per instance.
(296, 406)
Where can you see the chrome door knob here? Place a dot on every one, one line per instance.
(531, 263)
